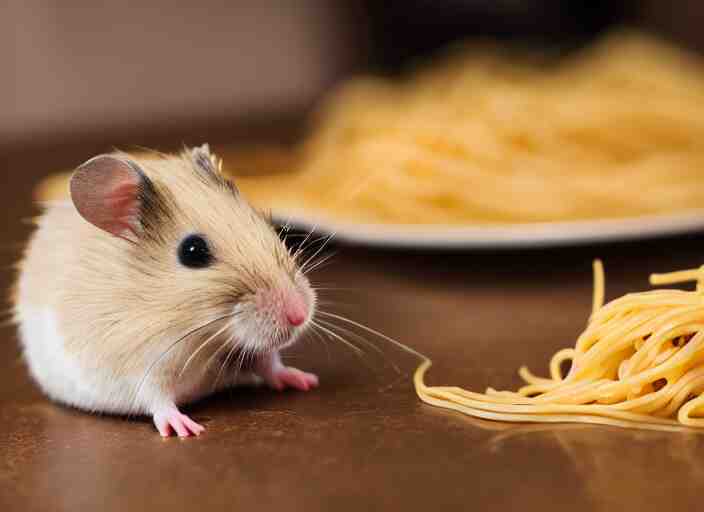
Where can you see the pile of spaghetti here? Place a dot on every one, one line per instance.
(488, 135)
(639, 363)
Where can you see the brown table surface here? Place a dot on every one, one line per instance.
(363, 440)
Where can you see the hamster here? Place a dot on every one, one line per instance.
(155, 285)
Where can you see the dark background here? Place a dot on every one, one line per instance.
(132, 72)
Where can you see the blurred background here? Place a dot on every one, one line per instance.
(124, 72)
(79, 78)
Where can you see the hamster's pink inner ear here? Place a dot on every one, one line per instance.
(105, 191)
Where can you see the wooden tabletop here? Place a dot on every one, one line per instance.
(362, 441)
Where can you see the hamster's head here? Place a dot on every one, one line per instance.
(193, 249)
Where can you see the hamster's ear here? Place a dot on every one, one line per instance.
(208, 166)
(106, 191)
(204, 160)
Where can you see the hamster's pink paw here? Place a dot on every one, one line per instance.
(181, 424)
(289, 377)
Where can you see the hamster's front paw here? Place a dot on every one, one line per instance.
(276, 375)
(172, 419)
(289, 377)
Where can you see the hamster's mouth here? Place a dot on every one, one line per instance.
(274, 318)
(258, 333)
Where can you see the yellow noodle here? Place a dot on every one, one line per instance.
(599, 291)
(485, 136)
(639, 363)
(674, 277)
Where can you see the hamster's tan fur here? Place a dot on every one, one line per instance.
(96, 310)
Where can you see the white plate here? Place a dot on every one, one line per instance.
(545, 234)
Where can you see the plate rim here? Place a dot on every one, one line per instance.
(507, 235)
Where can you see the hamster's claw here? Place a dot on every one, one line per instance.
(181, 424)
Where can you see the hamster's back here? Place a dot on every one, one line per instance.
(47, 258)
(52, 260)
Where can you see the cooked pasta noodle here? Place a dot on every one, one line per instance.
(485, 136)
(639, 363)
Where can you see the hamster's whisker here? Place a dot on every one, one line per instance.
(168, 351)
(394, 342)
(320, 263)
(322, 246)
(335, 303)
(313, 253)
(324, 341)
(336, 336)
(227, 325)
(365, 341)
(353, 334)
(320, 238)
(225, 364)
(241, 359)
(307, 246)
(307, 249)
(245, 356)
(298, 250)
(216, 354)
(284, 230)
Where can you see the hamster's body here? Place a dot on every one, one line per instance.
(52, 292)
(113, 319)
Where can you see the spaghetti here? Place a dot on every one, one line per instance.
(639, 363)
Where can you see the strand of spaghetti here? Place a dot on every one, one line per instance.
(546, 409)
(599, 291)
(681, 276)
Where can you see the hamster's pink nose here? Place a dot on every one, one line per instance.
(295, 309)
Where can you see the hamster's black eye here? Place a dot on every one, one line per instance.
(194, 252)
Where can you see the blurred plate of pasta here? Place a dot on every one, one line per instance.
(488, 146)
